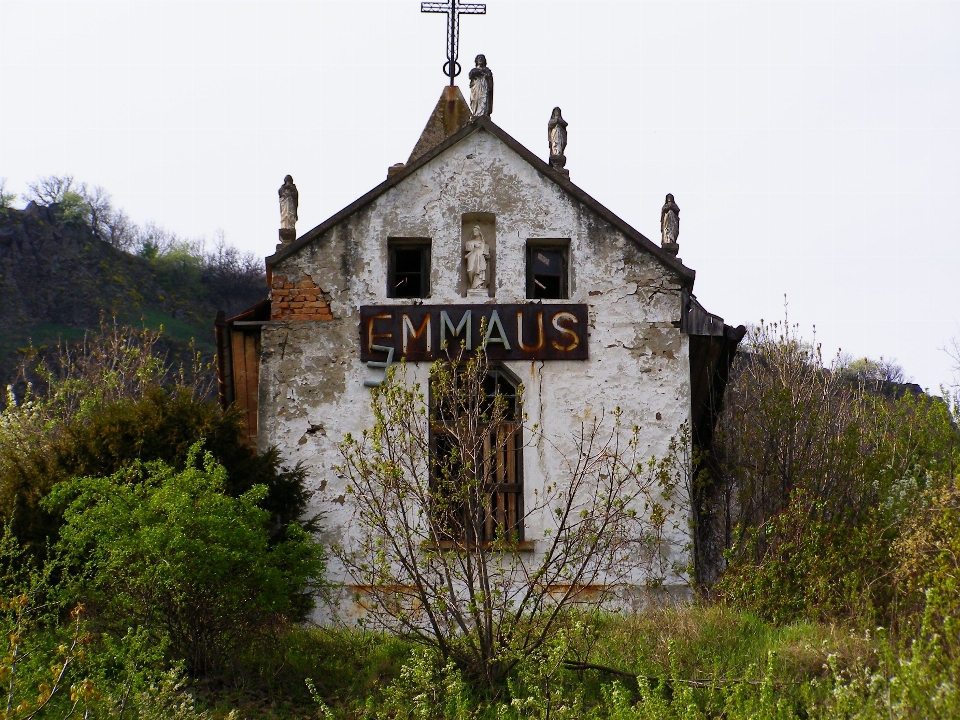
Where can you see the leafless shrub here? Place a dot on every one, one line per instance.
(435, 551)
(116, 362)
(784, 417)
(49, 190)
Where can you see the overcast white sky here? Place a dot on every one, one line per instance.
(813, 147)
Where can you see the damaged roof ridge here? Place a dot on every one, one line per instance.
(485, 123)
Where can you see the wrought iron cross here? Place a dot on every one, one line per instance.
(454, 9)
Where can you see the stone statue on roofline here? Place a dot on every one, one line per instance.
(481, 88)
(557, 137)
(289, 200)
(669, 223)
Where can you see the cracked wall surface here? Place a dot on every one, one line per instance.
(312, 383)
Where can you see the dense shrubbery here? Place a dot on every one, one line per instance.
(819, 478)
(160, 426)
(172, 552)
(103, 405)
(55, 666)
(838, 503)
(169, 561)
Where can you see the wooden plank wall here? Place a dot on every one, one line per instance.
(245, 344)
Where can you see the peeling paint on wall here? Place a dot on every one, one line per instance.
(312, 383)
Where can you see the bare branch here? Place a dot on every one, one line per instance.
(434, 558)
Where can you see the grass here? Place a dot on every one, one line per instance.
(39, 335)
(176, 345)
(346, 666)
(719, 643)
(52, 334)
(693, 643)
(175, 329)
(719, 648)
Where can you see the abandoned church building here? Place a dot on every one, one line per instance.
(478, 241)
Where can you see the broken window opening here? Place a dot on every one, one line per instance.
(546, 272)
(408, 271)
(486, 504)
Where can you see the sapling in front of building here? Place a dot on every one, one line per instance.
(477, 243)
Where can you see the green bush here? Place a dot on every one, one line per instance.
(816, 477)
(927, 576)
(162, 425)
(170, 551)
(831, 555)
(54, 667)
(91, 408)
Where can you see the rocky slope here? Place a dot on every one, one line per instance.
(57, 279)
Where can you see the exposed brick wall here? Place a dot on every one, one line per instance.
(300, 300)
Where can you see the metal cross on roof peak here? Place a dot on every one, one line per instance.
(454, 9)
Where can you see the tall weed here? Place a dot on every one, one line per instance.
(55, 667)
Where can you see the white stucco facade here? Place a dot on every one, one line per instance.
(311, 380)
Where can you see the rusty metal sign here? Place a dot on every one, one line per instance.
(389, 333)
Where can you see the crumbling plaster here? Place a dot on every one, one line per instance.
(311, 380)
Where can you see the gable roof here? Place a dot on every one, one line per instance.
(685, 274)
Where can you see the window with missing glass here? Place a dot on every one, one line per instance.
(487, 502)
(547, 269)
(408, 269)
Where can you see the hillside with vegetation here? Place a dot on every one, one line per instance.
(153, 566)
(69, 259)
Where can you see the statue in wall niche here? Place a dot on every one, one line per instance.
(289, 199)
(669, 222)
(557, 136)
(481, 88)
(477, 254)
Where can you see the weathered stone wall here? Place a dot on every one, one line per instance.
(311, 387)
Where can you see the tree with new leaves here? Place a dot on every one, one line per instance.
(6, 198)
(818, 467)
(436, 567)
